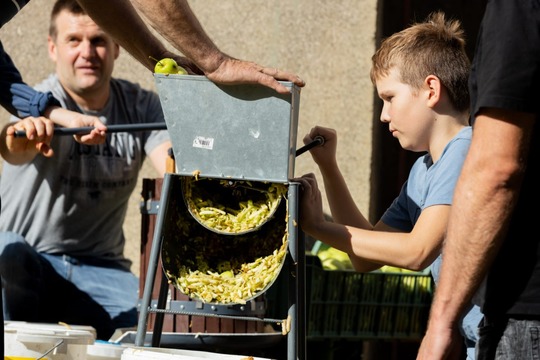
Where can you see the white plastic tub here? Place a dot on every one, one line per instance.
(144, 353)
(102, 350)
(32, 340)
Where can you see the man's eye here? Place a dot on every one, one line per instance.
(98, 42)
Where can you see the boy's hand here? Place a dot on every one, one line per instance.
(325, 154)
(311, 213)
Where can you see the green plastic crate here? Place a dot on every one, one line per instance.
(347, 304)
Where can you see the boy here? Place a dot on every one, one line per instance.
(421, 75)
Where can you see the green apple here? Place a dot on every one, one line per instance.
(168, 66)
(181, 71)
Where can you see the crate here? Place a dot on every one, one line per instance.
(377, 305)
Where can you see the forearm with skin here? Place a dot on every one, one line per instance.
(59, 116)
(342, 205)
(479, 218)
(175, 21)
(369, 250)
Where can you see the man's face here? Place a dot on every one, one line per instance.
(83, 53)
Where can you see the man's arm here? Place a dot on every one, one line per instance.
(484, 200)
(159, 157)
(176, 22)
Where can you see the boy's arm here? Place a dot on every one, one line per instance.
(370, 248)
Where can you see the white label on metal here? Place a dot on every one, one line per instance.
(203, 143)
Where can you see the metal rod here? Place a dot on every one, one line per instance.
(51, 349)
(296, 338)
(110, 129)
(153, 262)
(319, 140)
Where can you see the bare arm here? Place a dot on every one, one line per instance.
(479, 219)
(370, 248)
(177, 23)
(72, 119)
(342, 205)
(174, 20)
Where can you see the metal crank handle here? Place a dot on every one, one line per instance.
(110, 129)
(318, 140)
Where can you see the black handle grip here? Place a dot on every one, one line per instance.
(110, 129)
(318, 140)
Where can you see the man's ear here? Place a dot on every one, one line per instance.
(116, 51)
(51, 48)
(434, 87)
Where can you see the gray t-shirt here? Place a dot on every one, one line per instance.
(75, 202)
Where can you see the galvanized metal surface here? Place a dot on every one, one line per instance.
(239, 132)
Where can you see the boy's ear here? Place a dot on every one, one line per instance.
(434, 86)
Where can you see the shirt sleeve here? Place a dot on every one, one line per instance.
(16, 96)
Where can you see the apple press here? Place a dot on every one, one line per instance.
(231, 144)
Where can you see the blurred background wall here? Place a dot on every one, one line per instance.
(329, 44)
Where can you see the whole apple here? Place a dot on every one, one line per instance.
(168, 66)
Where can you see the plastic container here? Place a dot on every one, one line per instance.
(144, 353)
(32, 340)
(103, 350)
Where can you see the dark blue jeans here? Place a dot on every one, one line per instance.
(509, 339)
(57, 288)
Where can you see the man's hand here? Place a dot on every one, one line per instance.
(72, 119)
(96, 136)
(233, 71)
(445, 344)
(39, 133)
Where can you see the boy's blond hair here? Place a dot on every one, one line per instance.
(433, 47)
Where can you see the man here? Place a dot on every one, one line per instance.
(62, 241)
(491, 238)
